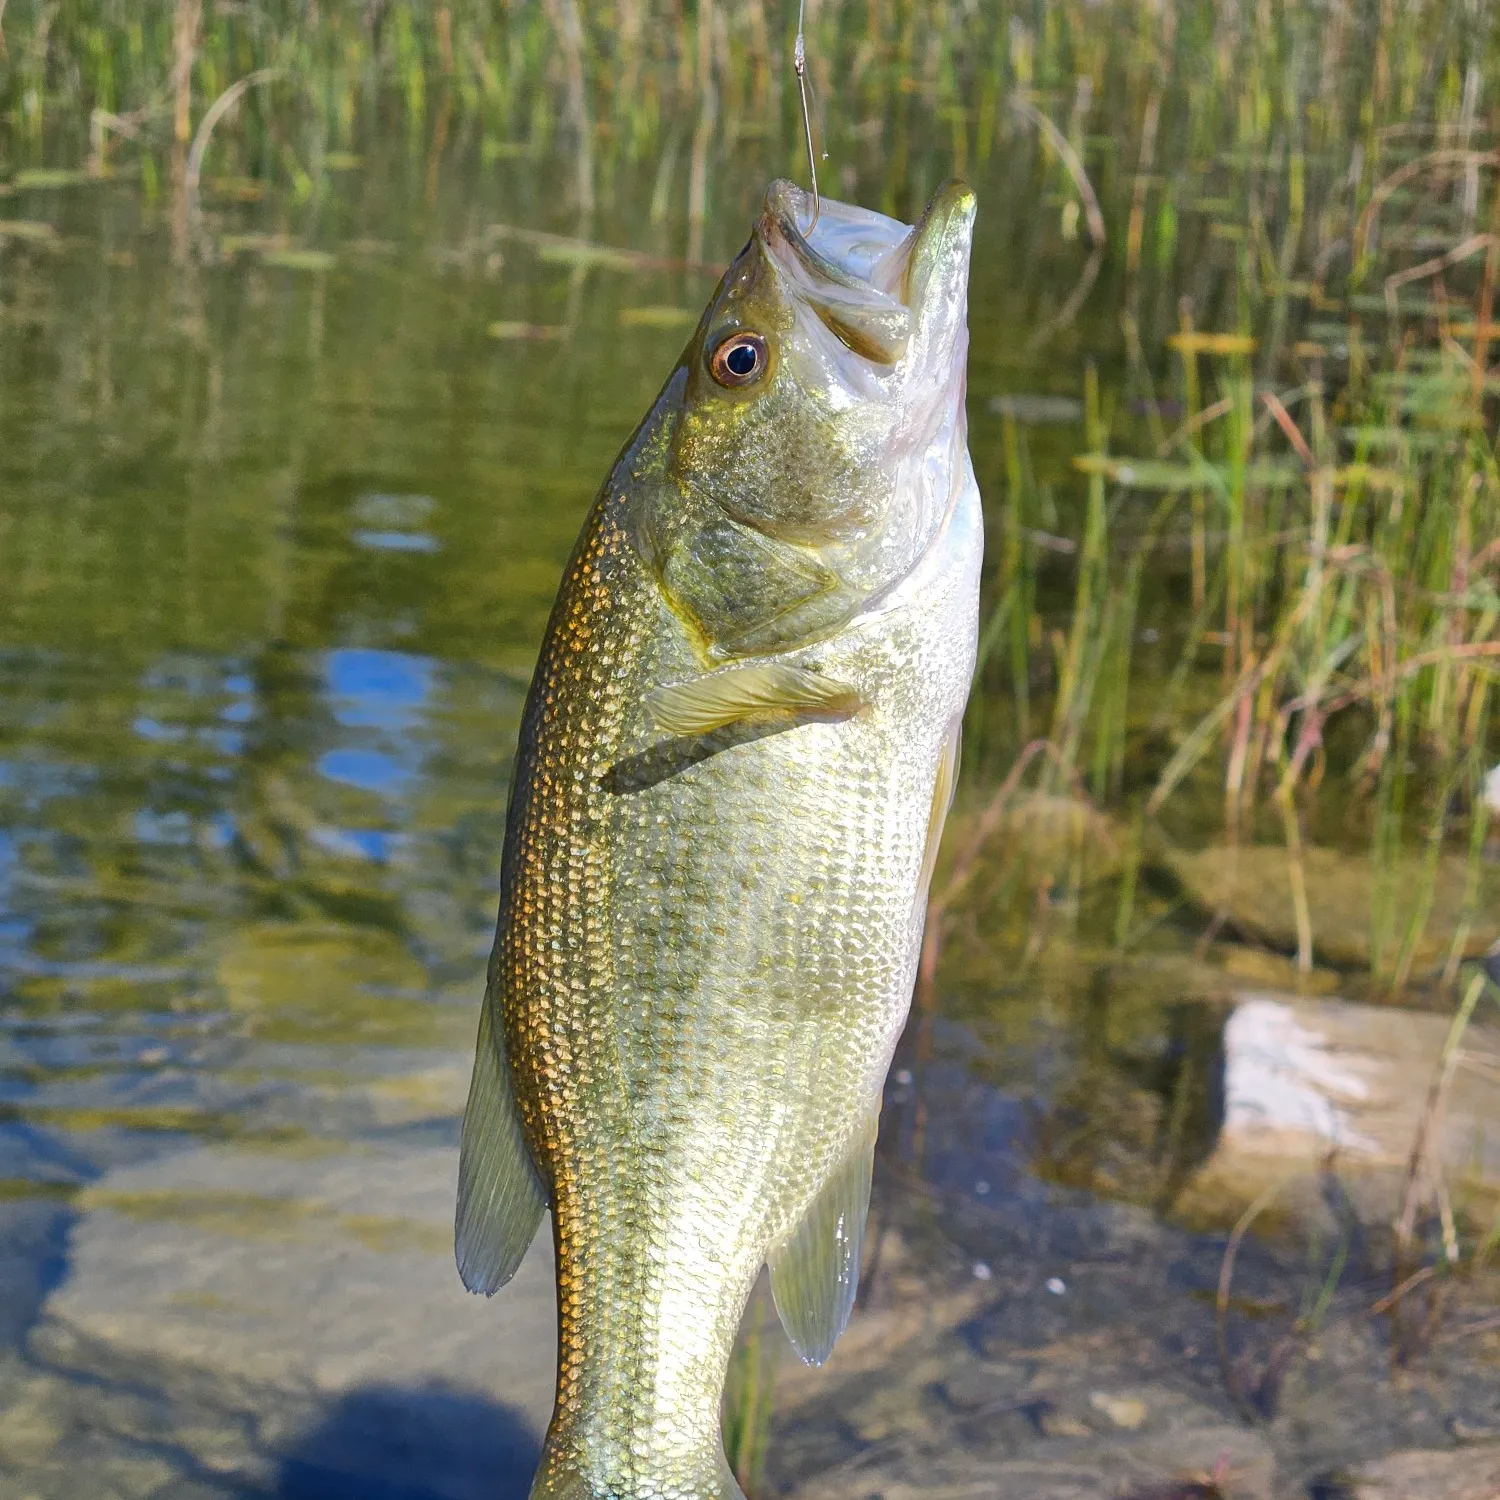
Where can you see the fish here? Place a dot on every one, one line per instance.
(734, 762)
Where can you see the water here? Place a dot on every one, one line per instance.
(279, 532)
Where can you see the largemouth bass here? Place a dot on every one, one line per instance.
(734, 764)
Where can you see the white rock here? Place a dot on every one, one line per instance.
(1281, 1075)
(1309, 1082)
(1468, 1474)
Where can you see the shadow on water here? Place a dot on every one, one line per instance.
(33, 1261)
(400, 1443)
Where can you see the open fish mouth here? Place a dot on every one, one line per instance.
(871, 278)
(846, 244)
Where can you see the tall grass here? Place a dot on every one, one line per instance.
(1312, 485)
(1344, 594)
(1293, 94)
(1292, 219)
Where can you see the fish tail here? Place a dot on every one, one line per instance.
(564, 1478)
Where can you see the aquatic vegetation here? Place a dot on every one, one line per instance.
(1291, 486)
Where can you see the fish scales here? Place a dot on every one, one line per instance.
(707, 940)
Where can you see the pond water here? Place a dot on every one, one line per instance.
(280, 524)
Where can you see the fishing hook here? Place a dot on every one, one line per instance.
(799, 66)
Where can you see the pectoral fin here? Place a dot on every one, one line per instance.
(709, 703)
(815, 1274)
(500, 1195)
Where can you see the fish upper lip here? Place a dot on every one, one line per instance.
(813, 260)
(871, 236)
(785, 201)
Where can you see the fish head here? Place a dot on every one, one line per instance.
(819, 430)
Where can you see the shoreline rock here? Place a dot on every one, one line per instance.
(269, 1315)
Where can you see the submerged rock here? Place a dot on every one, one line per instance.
(1346, 895)
(294, 1321)
(1072, 1463)
(331, 982)
(1463, 1474)
(1127, 1412)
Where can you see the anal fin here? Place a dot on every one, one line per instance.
(815, 1274)
(720, 698)
(500, 1196)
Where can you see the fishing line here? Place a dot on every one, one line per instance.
(799, 66)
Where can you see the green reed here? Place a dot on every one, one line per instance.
(914, 86)
(1357, 640)
(1292, 214)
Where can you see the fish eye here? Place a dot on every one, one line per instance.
(739, 360)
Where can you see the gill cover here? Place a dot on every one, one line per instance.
(813, 437)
